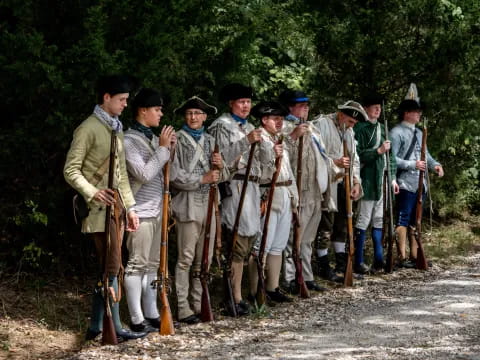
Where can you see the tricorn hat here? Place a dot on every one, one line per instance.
(290, 97)
(235, 91)
(195, 103)
(147, 97)
(115, 84)
(354, 110)
(372, 99)
(266, 108)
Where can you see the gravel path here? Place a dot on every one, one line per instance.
(405, 315)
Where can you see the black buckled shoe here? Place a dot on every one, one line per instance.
(126, 334)
(291, 287)
(278, 297)
(243, 308)
(191, 320)
(144, 326)
(362, 268)
(90, 335)
(312, 285)
(154, 322)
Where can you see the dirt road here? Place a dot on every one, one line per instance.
(405, 315)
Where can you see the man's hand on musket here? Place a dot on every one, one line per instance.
(278, 149)
(299, 131)
(384, 148)
(396, 188)
(254, 136)
(105, 196)
(217, 160)
(343, 162)
(133, 221)
(211, 177)
(355, 192)
(439, 170)
(420, 165)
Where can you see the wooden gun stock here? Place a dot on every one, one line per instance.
(261, 291)
(304, 293)
(422, 263)
(388, 228)
(206, 313)
(227, 271)
(348, 276)
(166, 319)
(109, 335)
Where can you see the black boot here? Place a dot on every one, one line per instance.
(340, 262)
(325, 271)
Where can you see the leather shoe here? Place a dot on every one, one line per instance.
(90, 335)
(243, 308)
(153, 322)
(190, 320)
(361, 269)
(312, 285)
(144, 326)
(126, 334)
(277, 296)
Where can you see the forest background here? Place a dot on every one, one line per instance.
(52, 52)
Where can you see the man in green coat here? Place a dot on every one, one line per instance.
(87, 171)
(372, 147)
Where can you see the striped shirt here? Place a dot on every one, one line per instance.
(145, 160)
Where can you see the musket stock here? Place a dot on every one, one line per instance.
(227, 271)
(388, 200)
(166, 319)
(348, 276)
(109, 335)
(422, 263)
(304, 293)
(206, 313)
(261, 293)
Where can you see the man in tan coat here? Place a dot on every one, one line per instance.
(195, 156)
(86, 170)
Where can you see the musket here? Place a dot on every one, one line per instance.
(218, 231)
(304, 293)
(348, 276)
(388, 201)
(261, 293)
(206, 313)
(109, 335)
(227, 269)
(422, 263)
(166, 319)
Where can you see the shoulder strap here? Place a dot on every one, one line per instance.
(198, 153)
(412, 145)
(98, 175)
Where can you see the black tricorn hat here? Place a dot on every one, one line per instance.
(372, 99)
(290, 97)
(409, 105)
(147, 97)
(235, 91)
(115, 84)
(195, 103)
(266, 108)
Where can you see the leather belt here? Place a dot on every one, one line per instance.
(283, 183)
(254, 179)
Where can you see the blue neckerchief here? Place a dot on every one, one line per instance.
(145, 130)
(239, 119)
(292, 118)
(111, 121)
(195, 133)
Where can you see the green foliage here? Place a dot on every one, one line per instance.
(53, 52)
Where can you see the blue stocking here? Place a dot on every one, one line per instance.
(377, 234)
(359, 244)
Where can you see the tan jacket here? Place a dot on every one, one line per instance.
(88, 151)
